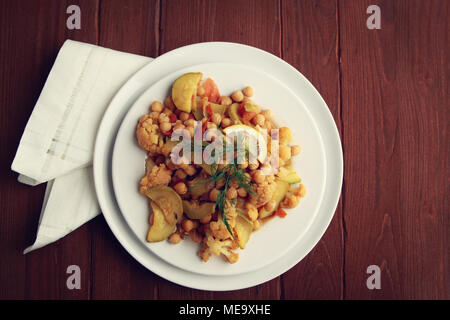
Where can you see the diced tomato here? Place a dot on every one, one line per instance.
(211, 90)
(281, 213)
(173, 117)
(168, 133)
(247, 117)
(209, 111)
(241, 109)
(191, 116)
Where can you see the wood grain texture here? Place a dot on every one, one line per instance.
(395, 119)
(310, 43)
(387, 90)
(251, 22)
(31, 34)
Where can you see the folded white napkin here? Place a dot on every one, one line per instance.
(58, 142)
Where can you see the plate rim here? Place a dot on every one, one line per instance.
(131, 117)
(331, 135)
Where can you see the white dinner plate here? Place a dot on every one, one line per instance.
(206, 53)
(277, 236)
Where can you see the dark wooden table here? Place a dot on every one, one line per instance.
(387, 90)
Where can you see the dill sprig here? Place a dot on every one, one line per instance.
(229, 172)
(221, 204)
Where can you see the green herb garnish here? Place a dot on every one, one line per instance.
(228, 172)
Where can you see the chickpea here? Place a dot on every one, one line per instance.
(226, 101)
(180, 174)
(267, 125)
(234, 184)
(237, 96)
(253, 166)
(267, 114)
(167, 111)
(220, 183)
(295, 150)
(174, 238)
(226, 122)
(189, 123)
(244, 165)
(231, 193)
(248, 91)
(258, 177)
(165, 126)
(170, 165)
(178, 126)
(285, 134)
(211, 125)
(187, 225)
(180, 188)
(270, 206)
(259, 120)
(168, 102)
(216, 118)
(285, 152)
(183, 116)
(213, 194)
(189, 169)
(157, 106)
(242, 192)
(163, 118)
(206, 219)
(290, 201)
(200, 91)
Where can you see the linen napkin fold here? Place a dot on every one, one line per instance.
(58, 142)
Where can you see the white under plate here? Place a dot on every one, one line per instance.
(311, 101)
(277, 236)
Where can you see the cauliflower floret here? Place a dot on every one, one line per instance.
(218, 228)
(147, 133)
(204, 253)
(262, 193)
(292, 199)
(158, 175)
(218, 247)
